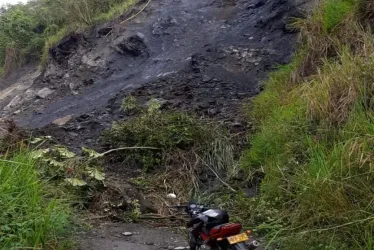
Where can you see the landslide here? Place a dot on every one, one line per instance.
(201, 56)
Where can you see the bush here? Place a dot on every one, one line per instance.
(25, 27)
(163, 131)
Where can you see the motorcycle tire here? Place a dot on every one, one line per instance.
(192, 242)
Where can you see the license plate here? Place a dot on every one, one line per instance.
(237, 238)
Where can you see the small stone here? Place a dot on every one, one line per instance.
(180, 248)
(171, 196)
(207, 78)
(43, 93)
(62, 121)
(73, 134)
(235, 51)
(127, 233)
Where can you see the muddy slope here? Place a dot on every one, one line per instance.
(198, 55)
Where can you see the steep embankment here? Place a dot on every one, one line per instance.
(314, 142)
(204, 56)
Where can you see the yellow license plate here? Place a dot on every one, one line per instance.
(237, 238)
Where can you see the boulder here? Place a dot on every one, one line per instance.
(62, 121)
(133, 45)
(43, 93)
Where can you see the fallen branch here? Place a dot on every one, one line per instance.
(125, 148)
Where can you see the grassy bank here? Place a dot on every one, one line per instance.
(27, 31)
(30, 217)
(314, 137)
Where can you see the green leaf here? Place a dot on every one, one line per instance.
(95, 173)
(91, 153)
(64, 152)
(76, 182)
(37, 154)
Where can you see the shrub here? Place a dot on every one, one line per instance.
(163, 131)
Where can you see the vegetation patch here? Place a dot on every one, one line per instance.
(27, 31)
(183, 149)
(314, 138)
(31, 217)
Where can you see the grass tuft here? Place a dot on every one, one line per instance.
(29, 218)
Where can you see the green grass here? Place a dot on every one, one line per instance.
(115, 11)
(29, 218)
(50, 42)
(335, 11)
(314, 139)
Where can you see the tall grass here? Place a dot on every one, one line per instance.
(29, 217)
(314, 138)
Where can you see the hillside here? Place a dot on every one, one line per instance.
(259, 107)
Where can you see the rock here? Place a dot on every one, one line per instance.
(15, 102)
(127, 233)
(171, 196)
(133, 45)
(181, 248)
(104, 31)
(65, 47)
(43, 93)
(17, 112)
(19, 99)
(62, 121)
(207, 78)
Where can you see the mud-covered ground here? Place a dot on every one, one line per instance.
(204, 56)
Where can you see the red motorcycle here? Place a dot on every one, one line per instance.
(211, 227)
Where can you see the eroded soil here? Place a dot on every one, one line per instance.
(200, 56)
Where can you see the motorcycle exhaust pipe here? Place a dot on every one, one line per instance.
(253, 245)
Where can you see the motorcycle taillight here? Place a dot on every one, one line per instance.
(226, 230)
(232, 227)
